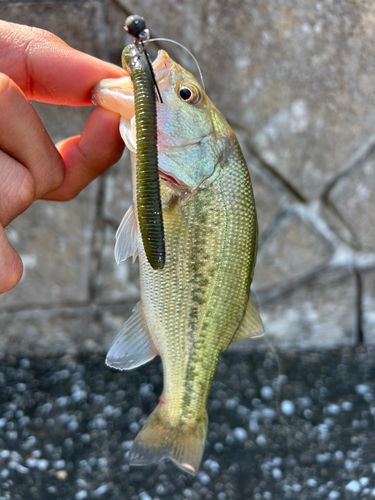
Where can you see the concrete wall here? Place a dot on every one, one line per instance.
(296, 80)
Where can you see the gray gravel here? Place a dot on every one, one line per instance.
(300, 430)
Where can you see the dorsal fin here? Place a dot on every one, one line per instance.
(251, 326)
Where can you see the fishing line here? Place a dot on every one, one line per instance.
(187, 50)
(152, 72)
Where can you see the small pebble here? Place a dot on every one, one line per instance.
(62, 401)
(4, 474)
(18, 467)
(31, 462)
(134, 427)
(347, 406)
(126, 445)
(231, 404)
(219, 447)
(333, 409)
(253, 426)
(349, 465)
(261, 440)
(305, 402)
(100, 423)
(85, 438)
(333, 495)
(308, 414)
(211, 465)
(353, 486)
(25, 364)
(362, 389)
(81, 495)
(277, 474)
(287, 407)
(101, 490)
(59, 464)
(311, 483)
(61, 475)
(78, 394)
(73, 425)
(240, 434)
(203, 478)
(269, 413)
(267, 392)
(339, 455)
(102, 462)
(144, 496)
(42, 464)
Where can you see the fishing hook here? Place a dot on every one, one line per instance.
(135, 26)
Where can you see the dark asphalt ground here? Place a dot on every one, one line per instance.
(303, 430)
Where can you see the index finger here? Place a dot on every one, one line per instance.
(47, 69)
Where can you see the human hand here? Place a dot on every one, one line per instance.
(37, 65)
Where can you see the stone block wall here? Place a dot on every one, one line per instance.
(296, 80)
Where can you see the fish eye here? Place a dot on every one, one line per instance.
(190, 94)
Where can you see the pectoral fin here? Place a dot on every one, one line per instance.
(128, 133)
(251, 326)
(132, 347)
(127, 237)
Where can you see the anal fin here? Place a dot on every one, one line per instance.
(251, 326)
(133, 346)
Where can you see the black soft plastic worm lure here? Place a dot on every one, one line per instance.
(150, 216)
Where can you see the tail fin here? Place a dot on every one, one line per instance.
(182, 444)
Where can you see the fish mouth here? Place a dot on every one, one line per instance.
(162, 65)
(117, 94)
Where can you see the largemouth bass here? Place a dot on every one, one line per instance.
(193, 308)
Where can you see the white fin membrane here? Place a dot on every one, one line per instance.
(128, 134)
(251, 326)
(132, 347)
(127, 237)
